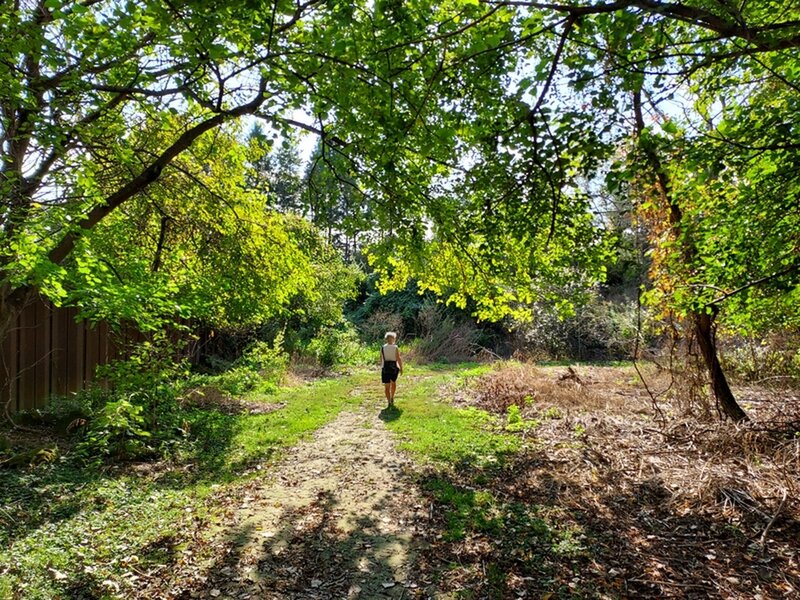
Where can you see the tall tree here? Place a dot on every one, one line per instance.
(275, 171)
(468, 126)
(82, 76)
(335, 202)
(711, 90)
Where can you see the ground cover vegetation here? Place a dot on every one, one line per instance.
(73, 531)
(591, 499)
(544, 480)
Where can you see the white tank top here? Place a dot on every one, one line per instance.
(390, 352)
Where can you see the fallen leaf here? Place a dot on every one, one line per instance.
(58, 575)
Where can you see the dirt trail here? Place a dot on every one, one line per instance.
(337, 518)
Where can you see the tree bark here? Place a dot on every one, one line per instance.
(705, 330)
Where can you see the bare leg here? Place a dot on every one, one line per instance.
(388, 389)
(393, 385)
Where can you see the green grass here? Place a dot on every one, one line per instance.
(453, 441)
(66, 530)
(468, 453)
(437, 432)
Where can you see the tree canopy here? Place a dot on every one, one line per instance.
(476, 133)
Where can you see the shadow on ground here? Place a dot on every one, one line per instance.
(391, 413)
(531, 528)
(311, 557)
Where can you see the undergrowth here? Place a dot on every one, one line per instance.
(67, 530)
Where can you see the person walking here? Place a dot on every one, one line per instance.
(391, 366)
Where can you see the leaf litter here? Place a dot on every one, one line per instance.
(603, 502)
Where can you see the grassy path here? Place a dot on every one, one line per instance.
(71, 532)
(330, 496)
(313, 500)
(335, 518)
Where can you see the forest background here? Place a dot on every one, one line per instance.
(508, 159)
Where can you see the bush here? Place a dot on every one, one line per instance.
(235, 381)
(337, 346)
(153, 366)
(443, 338)
(137, 414)
(260, 368)
(600, 329)
(375, 326)
(403, 305)
(507, 385)
(269, 362)
(117, 430)
(773, 357)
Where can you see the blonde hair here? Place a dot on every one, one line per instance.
(390, 334)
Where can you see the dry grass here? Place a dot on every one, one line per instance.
(680, 507)
(533, 389)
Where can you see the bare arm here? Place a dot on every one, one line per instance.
(399, 360)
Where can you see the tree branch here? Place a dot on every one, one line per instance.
(687, 14)
(151, 173)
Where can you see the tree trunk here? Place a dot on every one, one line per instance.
(704, 328)
(12, 302)
(703, 323)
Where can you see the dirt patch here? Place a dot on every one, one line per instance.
(339, 517)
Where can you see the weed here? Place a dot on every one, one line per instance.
(514, 416)
(552, 413)
(468, 510)
(516, 422)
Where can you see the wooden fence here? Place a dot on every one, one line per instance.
(49, 354)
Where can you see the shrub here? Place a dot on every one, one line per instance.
(507, 386)
(236, 380)
(118, 429)
(260, 368)
(773, 357)
(336, 346)
(153, 366)
(443, 338)
(600, 329)
(270, 362)
(375, 326)
(138, 411)
(405, 304)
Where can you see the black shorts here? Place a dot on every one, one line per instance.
(390, 371)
